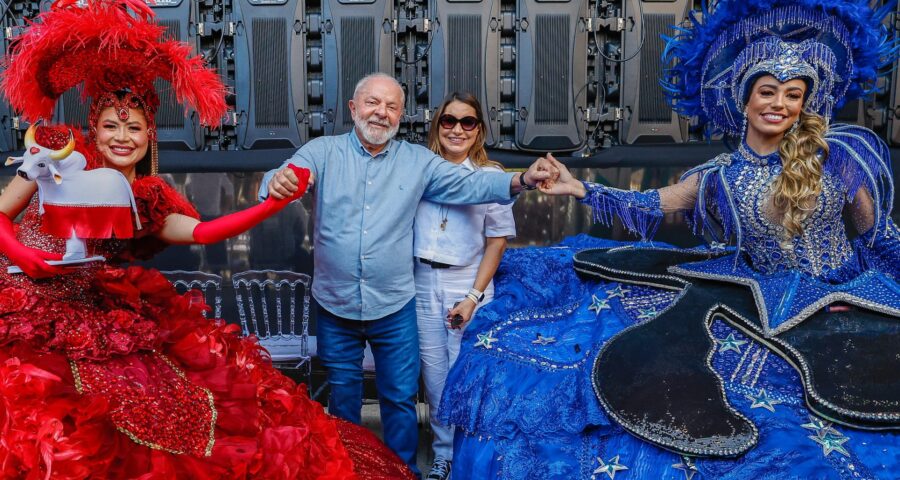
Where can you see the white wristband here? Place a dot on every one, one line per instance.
(476, 295)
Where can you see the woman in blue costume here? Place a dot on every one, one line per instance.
(778, 357)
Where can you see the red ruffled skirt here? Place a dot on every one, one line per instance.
(125, 379)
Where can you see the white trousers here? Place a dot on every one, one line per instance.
(437, 289)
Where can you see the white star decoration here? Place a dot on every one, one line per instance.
(598, 304)
(717, 246)
(485, 340)
(763, 400)
(610, 468)
(831, 442)
(730, 343)
(687, 466)
(817, 425)
(618, 292)
(646, 313)
(826, 436)
(542, 340)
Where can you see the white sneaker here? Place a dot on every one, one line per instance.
(440, 469)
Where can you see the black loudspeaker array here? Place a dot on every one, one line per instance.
(562, 75)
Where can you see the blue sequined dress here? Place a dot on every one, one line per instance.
(521, 393)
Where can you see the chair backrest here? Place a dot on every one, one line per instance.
(267, 303)
(208, 283)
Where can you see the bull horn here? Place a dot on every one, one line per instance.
(65, 151)
(12, 160)
(29, 135)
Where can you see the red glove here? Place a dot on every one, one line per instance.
(230, 225)
(31, 260)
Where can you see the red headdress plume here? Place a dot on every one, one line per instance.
(107, 46)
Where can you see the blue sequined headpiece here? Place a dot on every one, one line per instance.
(836, 46)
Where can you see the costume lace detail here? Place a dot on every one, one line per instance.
(880, 249)
(552, 347)
(639, 211)
(152, 402)
(822, 250)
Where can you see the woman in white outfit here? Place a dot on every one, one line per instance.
(458, 249)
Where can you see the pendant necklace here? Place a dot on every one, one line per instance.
(443, 211)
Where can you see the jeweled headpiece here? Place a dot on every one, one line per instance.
(113, 50)
(836, 46)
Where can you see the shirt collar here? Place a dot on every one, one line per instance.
(357, 144)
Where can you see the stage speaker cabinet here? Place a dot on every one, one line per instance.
(357, 40)
(7, 116)
(463, 56)
(175, 128)
(551, 66)
(648, 117)
(269, 73)
(894, 107)
(854, 112)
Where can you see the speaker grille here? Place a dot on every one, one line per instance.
(357, 56)
(75, 111)
(170, 115)
(270, 72)
(552, 81)
(464, 54)
(652, 105)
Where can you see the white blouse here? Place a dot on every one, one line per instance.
(461, 241)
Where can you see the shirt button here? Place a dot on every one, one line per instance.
(367, 207)
(365, 232)
(370, 182)
(362, 280)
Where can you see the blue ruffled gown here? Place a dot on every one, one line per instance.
(521, 394)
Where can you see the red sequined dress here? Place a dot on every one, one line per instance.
(109, 373)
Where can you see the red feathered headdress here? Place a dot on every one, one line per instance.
(107, 46)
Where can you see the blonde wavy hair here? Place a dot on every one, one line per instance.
(796, 190)
(477, 153)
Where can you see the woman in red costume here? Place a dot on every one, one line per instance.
(105, 371)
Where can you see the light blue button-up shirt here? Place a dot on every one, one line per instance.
(365, 207)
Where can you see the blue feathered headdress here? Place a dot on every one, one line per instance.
(837, 46)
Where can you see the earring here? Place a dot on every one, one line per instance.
(154, 159)
(744, 126)
(794, 127)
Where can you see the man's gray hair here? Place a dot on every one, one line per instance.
(372, 76)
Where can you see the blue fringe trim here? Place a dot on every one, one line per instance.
(639, 211)
(715, 213)
(860, 158)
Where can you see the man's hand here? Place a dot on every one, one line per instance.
(540, 171)
(285, 184)
(564, 183)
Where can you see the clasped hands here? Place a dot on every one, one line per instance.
(555, 178)
(547, 173)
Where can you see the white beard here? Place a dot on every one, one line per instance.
(374, 135)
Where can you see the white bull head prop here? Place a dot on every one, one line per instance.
(94, 203)
(40, 162)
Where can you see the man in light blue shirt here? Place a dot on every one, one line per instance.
(367, 188)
